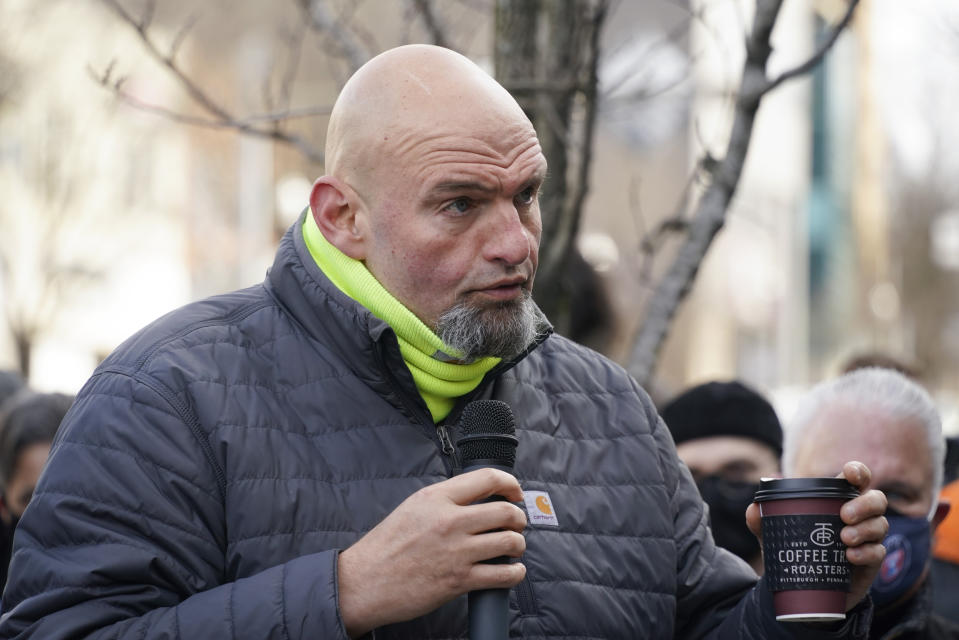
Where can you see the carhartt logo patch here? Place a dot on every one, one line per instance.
(540, 508)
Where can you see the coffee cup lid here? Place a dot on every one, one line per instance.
(791, 488)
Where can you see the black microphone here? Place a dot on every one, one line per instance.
(488, 440)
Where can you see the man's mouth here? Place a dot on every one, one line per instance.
(504, 289)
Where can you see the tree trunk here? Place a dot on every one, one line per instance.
(23, 347)
(546, 54)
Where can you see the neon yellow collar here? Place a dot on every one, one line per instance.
(439, 382)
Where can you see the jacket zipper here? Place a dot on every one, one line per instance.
(442, 434)
(446, 444)
(525, 598)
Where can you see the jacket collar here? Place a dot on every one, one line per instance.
(910, 617)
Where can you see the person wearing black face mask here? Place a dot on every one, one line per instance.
(880, 417)
(28, 423)
(729, 436)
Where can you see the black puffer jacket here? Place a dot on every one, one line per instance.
(914, 620)
(212, 467)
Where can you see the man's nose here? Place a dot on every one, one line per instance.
(508, 240)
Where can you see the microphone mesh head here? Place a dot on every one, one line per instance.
(492, 417)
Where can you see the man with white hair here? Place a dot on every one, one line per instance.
(882, 418)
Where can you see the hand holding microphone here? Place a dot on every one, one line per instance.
(431, 549)
(488, 441)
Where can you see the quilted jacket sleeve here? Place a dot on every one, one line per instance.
(718, 596)
(125, 537)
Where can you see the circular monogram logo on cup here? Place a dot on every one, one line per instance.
(822, 535)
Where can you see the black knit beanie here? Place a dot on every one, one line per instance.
(723, 409)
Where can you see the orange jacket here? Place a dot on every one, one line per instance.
(946, 545)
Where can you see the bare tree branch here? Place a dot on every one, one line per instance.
(650, 243)
(709, 215)
(243, 126)
(181, 36)
(296, 53)
(321, 20)
(437, 33)
(148, 12)
(819, 54)
(116, 86)
(195, 92)
(558, 85)
(222, 118)
(649, 51)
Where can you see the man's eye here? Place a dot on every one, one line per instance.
(526, 196)
(898, 497)
(459, 206)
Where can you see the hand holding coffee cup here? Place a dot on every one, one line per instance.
(862, 532)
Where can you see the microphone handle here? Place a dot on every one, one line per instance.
(488, 614)
(489, 608)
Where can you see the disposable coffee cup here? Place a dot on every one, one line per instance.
(804, 558)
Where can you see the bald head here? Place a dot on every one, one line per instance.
(407, 94)
(432, 180)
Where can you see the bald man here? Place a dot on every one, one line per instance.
(282, 461)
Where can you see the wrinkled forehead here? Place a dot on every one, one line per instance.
(474, 110)
(428, 165)
(490, 147)
(499, 141)
(893, 447)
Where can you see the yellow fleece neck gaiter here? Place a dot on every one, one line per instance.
(439, 381)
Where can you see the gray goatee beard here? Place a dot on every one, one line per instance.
(498, 331)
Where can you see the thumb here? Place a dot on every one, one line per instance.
(752, 521)
(857, 474)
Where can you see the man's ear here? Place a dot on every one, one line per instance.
(336, 210)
